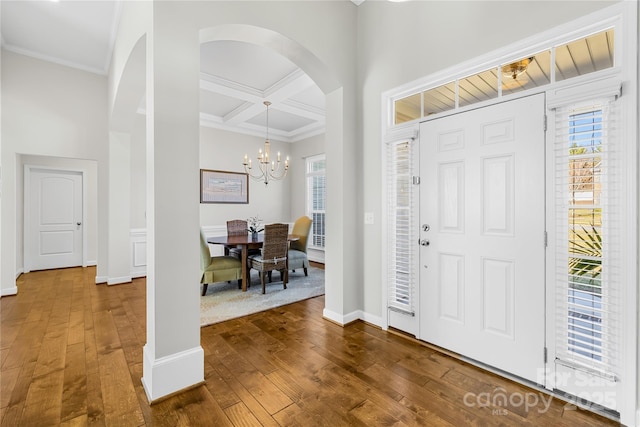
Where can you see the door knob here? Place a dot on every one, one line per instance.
(424, 242)
(78, 223)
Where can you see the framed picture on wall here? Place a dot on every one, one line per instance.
(223, 187)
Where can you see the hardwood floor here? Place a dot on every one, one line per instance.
(71, 355)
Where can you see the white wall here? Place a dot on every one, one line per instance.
(223, 150)
(48, 110)
(402, 42)
(138, 173)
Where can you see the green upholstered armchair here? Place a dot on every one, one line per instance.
(298, 249)
(217, 268)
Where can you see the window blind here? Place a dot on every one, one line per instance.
(316, 198)
(588, 238)
(402, 213)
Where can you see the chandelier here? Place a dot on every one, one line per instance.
(515, 69)
(268, 169)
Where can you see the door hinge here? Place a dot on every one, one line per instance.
(415, 180)
(546, 239)
(544, 354)
(545, 122)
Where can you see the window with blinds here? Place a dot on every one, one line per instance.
(587, 259)
(316, 198)
(402, 212)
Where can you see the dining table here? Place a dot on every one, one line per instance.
(245, 243)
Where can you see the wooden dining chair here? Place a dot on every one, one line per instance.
(273, 254)
(235, 227)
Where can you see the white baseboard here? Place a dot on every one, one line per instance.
(352, 317)
(333, 316)
(372, 320)
(118, 280)
(9, 291)
(167, 375)
(315, 255)
(19, 272)
(137, 274)
(92, 263)
(102, 279)
(339, 318)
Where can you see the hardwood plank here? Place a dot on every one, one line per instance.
(293, 415)
(52, 350)
(74, 391)
(374, 415)
(247, 398)
(95, 404)
(247, 374)
(219, 389)
(76, 327)
(420, 400)
(42, 403)
(79, 421)
(240, 415)
(27, 348)
(119, 397)
(18, 395)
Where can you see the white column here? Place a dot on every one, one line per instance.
(173, 357)
(119, 208)
(342, 284)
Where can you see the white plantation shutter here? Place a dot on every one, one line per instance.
(316, 198)
(588, 227)
(402, 226)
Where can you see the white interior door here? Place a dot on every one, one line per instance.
(482, 277)
(54, 219)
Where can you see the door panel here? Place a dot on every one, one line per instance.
(54, 223)
(482, 274)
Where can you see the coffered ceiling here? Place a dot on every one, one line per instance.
(236, 78)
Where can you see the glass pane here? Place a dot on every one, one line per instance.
(439, 99)
(586, 310)
(318, 192)
(408, 108)
(584, 56)
(526, 73)
(318, 234)
(317, 165)
(479, 87)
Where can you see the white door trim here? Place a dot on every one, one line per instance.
(26, 244)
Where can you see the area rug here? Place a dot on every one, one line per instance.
(225, 301)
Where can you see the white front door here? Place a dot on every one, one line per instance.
(53, 232)
(482, 274)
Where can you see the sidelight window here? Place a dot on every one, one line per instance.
(588, 285)
(402, 211)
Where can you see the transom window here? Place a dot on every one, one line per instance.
(586, 55)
